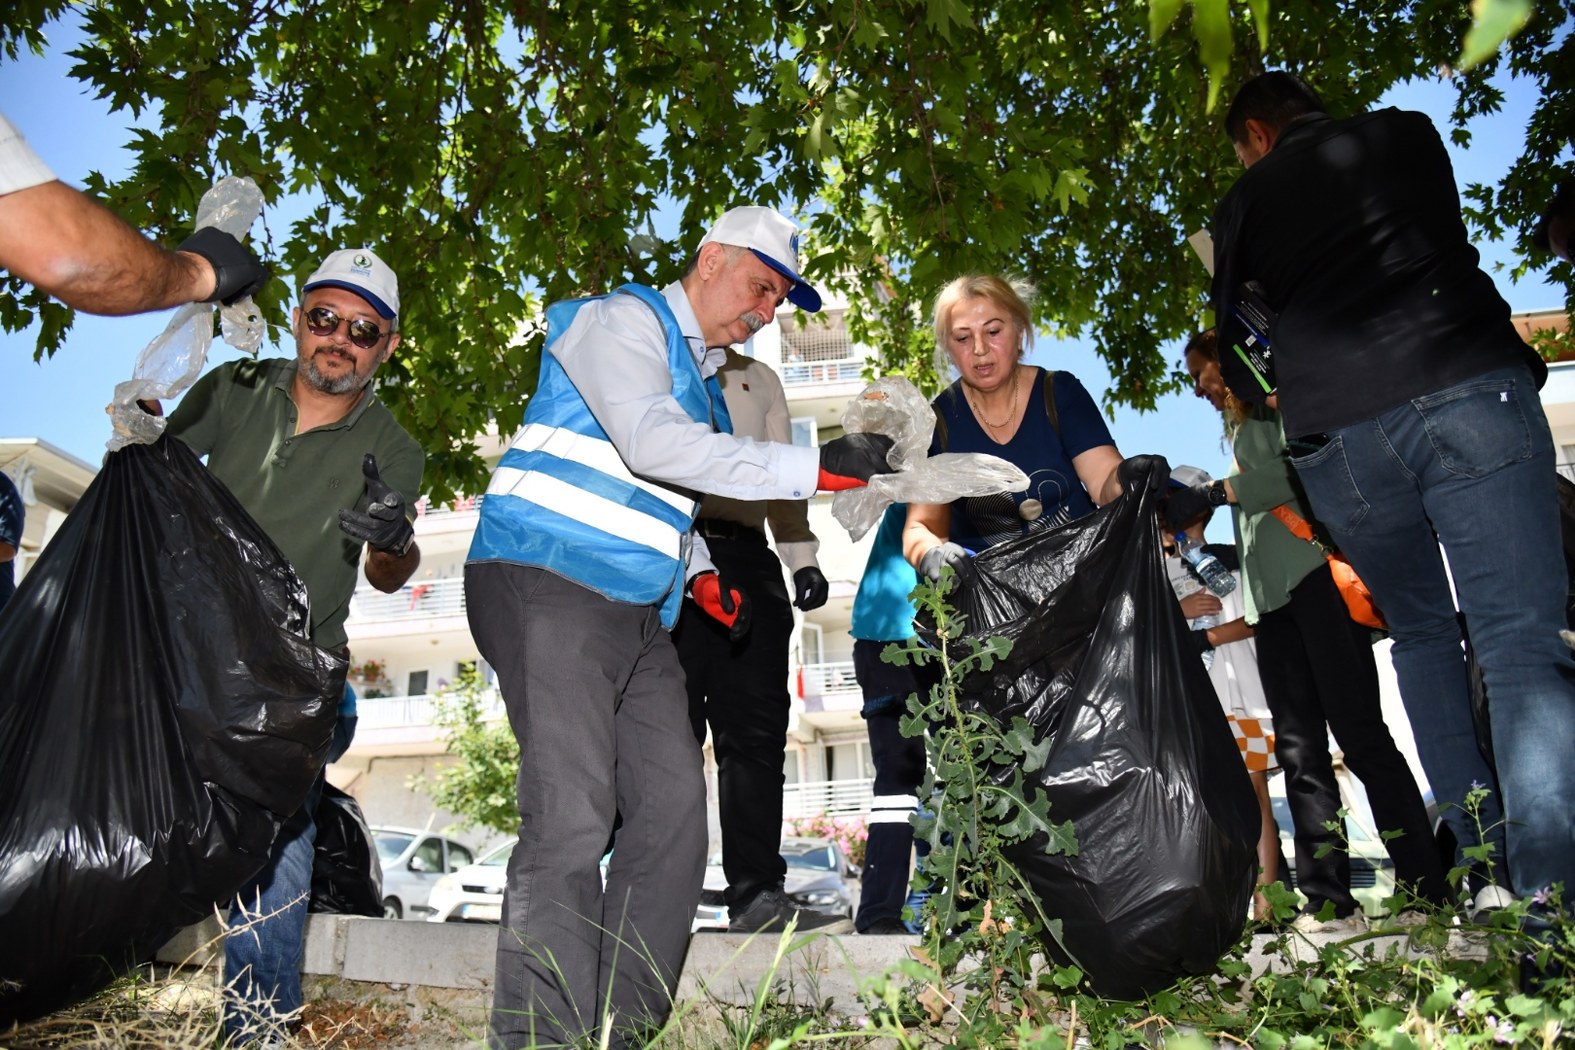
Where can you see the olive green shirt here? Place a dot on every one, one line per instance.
(1273, 560)
(242, 417)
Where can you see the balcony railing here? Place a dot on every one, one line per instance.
(459, 505)
(386, 712)
(830, 679)
(804, 373)
(422, 600)
(827, 796)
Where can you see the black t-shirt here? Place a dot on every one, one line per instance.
(1353, 229)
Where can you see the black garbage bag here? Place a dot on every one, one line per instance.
(347, 877)
(1142, 761)
(160, 709)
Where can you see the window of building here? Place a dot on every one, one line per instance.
(416, 684)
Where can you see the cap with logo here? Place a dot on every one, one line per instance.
(774, 240)
(359, 270)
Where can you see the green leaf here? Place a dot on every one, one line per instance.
(1492, 23)
(1161, 13)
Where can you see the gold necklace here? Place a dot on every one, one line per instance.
(1009, 415)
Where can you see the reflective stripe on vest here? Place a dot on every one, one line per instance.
(562, 497)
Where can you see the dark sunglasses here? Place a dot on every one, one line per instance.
(323, 321)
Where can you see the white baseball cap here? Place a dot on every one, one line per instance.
(774, 240)
(359, 270)
(1186, 477)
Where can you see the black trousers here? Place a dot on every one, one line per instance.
(740, 689)
(899, 767)
(1319, 677)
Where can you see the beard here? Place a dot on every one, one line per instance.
(752, 321)
(345, 384)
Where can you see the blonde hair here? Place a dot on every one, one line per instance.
(1011, 296)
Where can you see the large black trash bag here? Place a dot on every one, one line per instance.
(160, 708)
(1142, 761)
(347, 876)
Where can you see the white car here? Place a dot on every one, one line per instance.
(413, 861)
(474, 893)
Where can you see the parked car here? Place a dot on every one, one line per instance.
(1372, 872)
(474, 893)
(413, 861)
(819, 877)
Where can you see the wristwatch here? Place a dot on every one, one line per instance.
(1217, 496)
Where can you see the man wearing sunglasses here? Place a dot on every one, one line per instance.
(584, 552)
(317, 459)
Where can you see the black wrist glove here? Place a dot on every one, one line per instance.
(1138, 471)
(384, 525)
(1185, 506)
(1200, 640)
(810, 589)
(721, 601)
(851, 460)
(236, 271)
(937, 558)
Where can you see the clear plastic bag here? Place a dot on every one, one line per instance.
(174, 359)
(893, 406)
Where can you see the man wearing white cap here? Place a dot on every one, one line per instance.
(583, 554)
(320, 463)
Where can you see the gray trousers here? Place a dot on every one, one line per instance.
(596, 699)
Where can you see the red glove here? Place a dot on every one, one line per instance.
(724, 603)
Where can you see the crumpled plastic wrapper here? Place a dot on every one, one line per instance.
(893, 406)
(174, 359)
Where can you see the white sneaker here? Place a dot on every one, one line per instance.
(1489, 899)
(1348, 926)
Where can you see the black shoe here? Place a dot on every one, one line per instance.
(772, 910)
(888, 928)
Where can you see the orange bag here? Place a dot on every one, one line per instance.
(1358, 599)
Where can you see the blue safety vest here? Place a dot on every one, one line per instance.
(563, 499)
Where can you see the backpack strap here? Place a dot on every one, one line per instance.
(1050, 409)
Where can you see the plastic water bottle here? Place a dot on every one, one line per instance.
(1216, 577)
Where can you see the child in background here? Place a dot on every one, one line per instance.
(1234, 672)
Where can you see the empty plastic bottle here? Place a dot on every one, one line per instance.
(1216, 577)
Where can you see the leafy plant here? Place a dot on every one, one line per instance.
(480, 787)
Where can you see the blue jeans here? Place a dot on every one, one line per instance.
(1472, 463)
(262, 957)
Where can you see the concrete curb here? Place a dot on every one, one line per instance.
(405, 957)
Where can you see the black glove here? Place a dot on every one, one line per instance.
(1137, 471)
(384, 525)
(236, 271)
(937, 558)
(722, 602)
(1186, 505)
(809, 588)
(849, 461)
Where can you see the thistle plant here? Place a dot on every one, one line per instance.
(979, 803)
